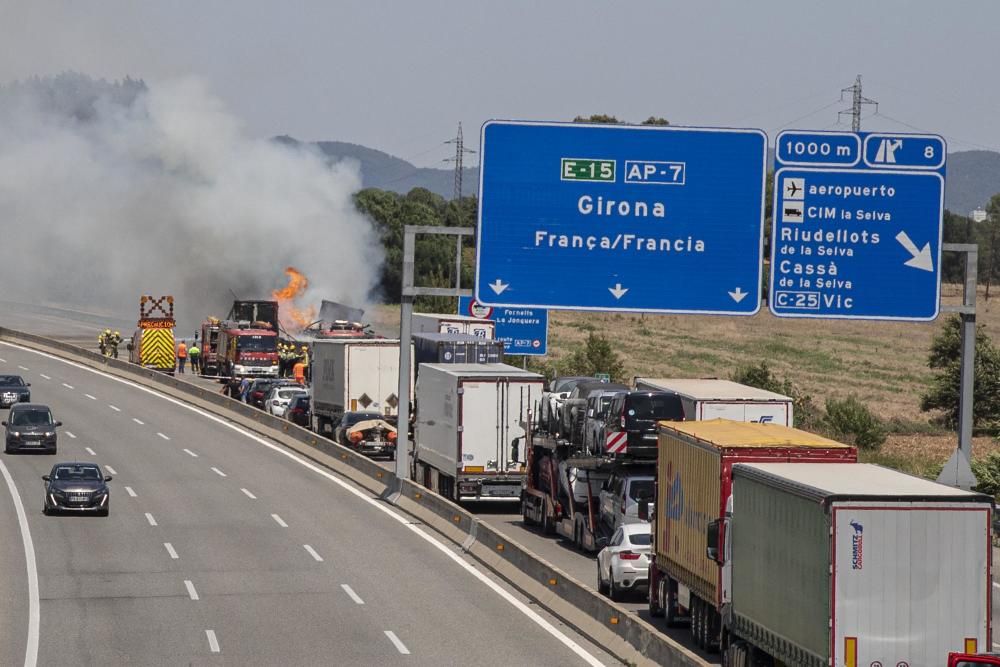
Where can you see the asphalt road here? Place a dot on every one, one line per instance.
(222, 548)
(82, 328)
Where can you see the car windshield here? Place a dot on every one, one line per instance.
(640, 539)
(256, 343)
(288, 393)
(31, 418)
(655, 406)
(565, 384)
(352, 418)
(85, 472)
(641, 489)
(11, 381)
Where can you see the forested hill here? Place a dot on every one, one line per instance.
(387, 172)
(973, 176)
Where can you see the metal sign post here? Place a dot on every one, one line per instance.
(958, 470)
(410, 291)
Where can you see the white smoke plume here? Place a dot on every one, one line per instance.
(136, 190)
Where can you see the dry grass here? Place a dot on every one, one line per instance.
(883, 363)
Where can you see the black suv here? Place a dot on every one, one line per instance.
(30, 427)
(13, 389)
(635, 414)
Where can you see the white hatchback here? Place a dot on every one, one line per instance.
(277, 402)
(623, 565)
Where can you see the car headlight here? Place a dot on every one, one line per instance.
(50, 434)
(16, 434)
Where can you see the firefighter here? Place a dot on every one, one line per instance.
(112, 342)
(194, 354)
(101, 342)
(305, 362)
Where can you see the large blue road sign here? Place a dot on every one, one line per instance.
(857, 223)
(522, 330)
(611, 217)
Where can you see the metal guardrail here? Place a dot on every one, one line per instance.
(554, 589)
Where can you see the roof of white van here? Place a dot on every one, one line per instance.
(711, 390)
(474, 370)
(861, 480)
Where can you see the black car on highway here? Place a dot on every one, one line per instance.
(30, 427)
(13, 389)
(77, 487)
(298, 410)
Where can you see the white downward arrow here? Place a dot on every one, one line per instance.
(737, 294)
(921, 258)
(618, 291)
(498, 286)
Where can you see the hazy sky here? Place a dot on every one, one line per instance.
(399, 76)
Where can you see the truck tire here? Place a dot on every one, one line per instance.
(528, 521)
(653, 600)
(697, 621)
(668, 598)
(548, 525)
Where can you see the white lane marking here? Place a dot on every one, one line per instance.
(111, 470)
(249, 495)
(68, 386)
(218, 472)
(138, 421)
(190, 452)
(90, 451)
(70, 434)
(3, 360)
(400, 646)
(91, 397)
(23, 368)
(31, 651)
(162, 436)
(350, 592)
(114, 407)
(213, 642)
(192, 593)
(312, 552)
(170, 550)
(150, 519)
(129, 490)
(996, 585)
(280, 521)
(45, 376)
(405, 521)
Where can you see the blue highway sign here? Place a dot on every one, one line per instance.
(628, 218)
(858, 237)
(522, 330)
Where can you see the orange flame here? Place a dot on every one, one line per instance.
(292, 317)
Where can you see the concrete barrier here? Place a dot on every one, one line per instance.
(609, 625)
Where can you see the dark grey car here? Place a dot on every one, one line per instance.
(13, 389)
(30, 427)
(77, 487)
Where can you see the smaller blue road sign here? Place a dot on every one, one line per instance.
(522, 330)
(857, 224)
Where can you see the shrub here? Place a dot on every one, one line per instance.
(850, 420)
(987, 472)
(807, 416)
(595, 356)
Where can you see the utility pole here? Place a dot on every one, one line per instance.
(460, 150)
(856, 101)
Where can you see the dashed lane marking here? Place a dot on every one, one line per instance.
(351, 594)
(70, 434)
(218, 472)
(162, 436)
(68, 386)
(192, 593)
(213, 642)
(138, 421)
(170, 550)
(150, 519)
(114, 407)
(90, 451)
(312, 552)
(190, 452)
(44, 376)
(111, 470)
(91, 397)
(400, 646)
(129, 490)
(249, 495)
(278, 520)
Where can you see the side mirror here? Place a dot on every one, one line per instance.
(712, 541)
(107, 478)
(3, 423)
(27, 384)
(644, 509)
(57, 423)
(45, 478)
(601, 542)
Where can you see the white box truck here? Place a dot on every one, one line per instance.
(705, 399)
(453, 324)
(850, 564)
(470, 428)
(353, 374)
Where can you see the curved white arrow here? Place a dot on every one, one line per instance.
(921, 258)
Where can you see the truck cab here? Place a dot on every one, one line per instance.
(248, 350)
(973, 660)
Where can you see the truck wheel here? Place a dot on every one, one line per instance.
(713, 627)
(668, 598)
(602, 588)
(548, 527)
(653, 598)
(696, 622)
(528, 521)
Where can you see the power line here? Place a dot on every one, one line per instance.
(857, 99)
(460, 151)
(956, 140)
(811, 113)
